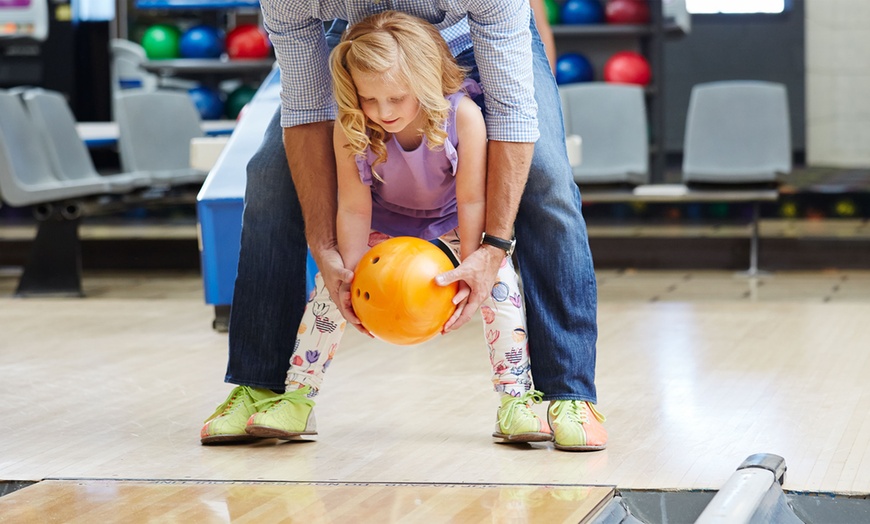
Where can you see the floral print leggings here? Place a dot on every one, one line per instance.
(504, 329)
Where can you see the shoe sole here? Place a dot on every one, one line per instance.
(267, 432)
(524, 437)
(227, 439)
(579, 448)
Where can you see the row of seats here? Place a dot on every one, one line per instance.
(43, 159)
(44, 164)
(737, 132)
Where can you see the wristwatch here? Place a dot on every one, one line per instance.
(506, 245)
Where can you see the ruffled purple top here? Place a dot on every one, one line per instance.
(418, 194)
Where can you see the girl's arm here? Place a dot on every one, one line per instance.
(354, 219)
(470, 190)
(545, 31)
(470, 175)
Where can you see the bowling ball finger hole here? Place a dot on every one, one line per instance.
(376, 260)
(366, 295)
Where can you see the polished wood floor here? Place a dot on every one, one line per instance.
(257, 502)
(696, 371)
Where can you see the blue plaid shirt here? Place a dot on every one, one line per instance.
(498, 29)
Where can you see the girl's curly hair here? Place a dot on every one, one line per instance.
(406, 49)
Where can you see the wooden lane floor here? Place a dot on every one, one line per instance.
(696, 371)
(89, 501)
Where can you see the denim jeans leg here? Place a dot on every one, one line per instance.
(554, 257)
(270, 288)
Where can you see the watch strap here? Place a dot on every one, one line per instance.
(505, 245)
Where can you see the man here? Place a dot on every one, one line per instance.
(530, 191)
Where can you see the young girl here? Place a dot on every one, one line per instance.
(410, 149)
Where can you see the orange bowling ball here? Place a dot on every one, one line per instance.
(394, 293)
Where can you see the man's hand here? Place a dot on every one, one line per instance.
(337, 279)
(478, 272)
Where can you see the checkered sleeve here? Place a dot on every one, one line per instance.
(301, 50)
(503, 51)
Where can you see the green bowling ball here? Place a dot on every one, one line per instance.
(553, 11)
(237, 99)
(161, 42)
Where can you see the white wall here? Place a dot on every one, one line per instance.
(838, 82)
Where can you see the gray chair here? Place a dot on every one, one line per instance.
(128, 72)
(67, 153)
(27, 179)
(154, 133)
(737, 132)
(612, 122)
(26, 174)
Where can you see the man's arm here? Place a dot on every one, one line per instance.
(507, 171)
(503, 53)
(312, 165)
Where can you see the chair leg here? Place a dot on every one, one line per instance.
(754, 240)
(55, 264)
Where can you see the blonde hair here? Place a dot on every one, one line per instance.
(403, 48)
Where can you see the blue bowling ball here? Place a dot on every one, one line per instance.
(573, 67)
(201, 41)
(583, 12)
(208, 102)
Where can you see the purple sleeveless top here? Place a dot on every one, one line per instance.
(418, 195)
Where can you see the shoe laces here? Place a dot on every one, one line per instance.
(575, 411)
(297, 396)
(519, 407)
(229, 404)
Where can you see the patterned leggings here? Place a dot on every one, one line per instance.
(504, 329)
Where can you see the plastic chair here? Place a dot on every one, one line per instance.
(611, 120)
(737, 132)
(154, 133)
(127, 71)
(27, 179)
(67, 153)
(26, 174)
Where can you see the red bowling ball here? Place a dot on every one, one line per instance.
(248, 41)
(627, 12)
(627, 67)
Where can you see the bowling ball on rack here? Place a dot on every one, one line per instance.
(238, 99)
(208, 102)
(627, 12)
(248, 41)
(845, 207)
(627, 67)
(554, 15)
(201, 41)
(573, 67)
(789, 209)
(582, 12)
(394, 293)
(161, 42)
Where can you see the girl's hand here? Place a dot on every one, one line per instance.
(461, 300)
(337, 279)
(478, 273)
(346, 308)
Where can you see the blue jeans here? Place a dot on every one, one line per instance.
(552, 249)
